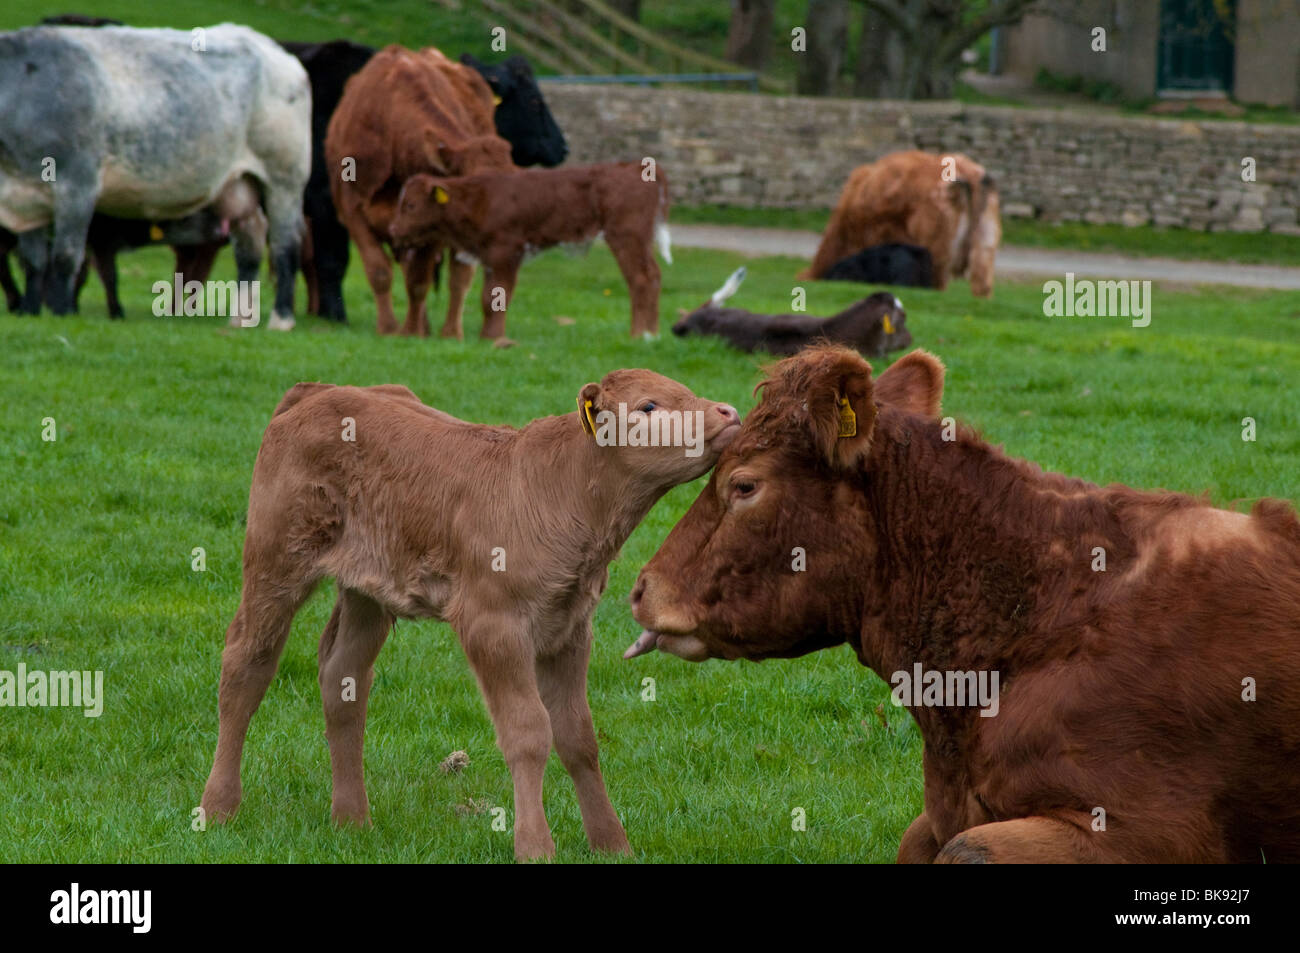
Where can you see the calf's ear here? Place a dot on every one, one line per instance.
(841, 409)
(914, 383)
(589, 407)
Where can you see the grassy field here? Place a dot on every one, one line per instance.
(158, 421)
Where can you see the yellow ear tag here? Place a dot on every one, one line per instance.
(588, 422)
(440, 195)
(155, 233)
(889, 325)
(496, 100)
(848, 419)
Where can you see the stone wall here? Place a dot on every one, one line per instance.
(791, 152)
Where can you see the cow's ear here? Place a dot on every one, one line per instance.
(589, 407)
(841, 406)
(914, 383)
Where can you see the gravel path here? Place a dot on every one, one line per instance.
(1011, 260)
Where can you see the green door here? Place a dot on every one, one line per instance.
(1196, 45)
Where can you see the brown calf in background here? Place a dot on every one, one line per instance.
(500, 218)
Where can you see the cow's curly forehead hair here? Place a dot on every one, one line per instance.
(795, 398)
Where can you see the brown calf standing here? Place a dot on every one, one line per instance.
(1145, 708)
(500, 218)
(505, 534)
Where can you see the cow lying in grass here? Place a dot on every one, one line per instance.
(1148, 706)
(503, 533)
(893, 264)
(875, 325)
(502, 217)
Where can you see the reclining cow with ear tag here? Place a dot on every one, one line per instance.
(1047, 691)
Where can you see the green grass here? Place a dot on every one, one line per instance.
(159, 420)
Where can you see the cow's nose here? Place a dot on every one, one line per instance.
(637, 592)
(732, 415)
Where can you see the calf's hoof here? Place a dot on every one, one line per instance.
(280, 322)
(534, 848)
(220, 805)
(457, 333)
(350, 815)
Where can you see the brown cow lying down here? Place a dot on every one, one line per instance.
(1163, 691)
(946, 204)
(505, 534)
(500, 218)
(874, 325)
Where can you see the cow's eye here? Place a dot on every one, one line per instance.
(744, 488)
(648, 406)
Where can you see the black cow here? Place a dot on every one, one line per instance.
(325, 258)
(893, 264)
(874, 325)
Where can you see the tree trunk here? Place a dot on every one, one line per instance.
(629, 8)
(750, 32)
(892, 66)
(827, 23)
(879, 70)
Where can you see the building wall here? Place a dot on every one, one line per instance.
(1063, 44)
(792, 152)
(1267, 63)
(1267, 48)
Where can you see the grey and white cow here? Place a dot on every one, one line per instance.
(155, 124)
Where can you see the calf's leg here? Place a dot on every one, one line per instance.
(641, 272)
(459, 276)
(502, 659)
(348, 648)
(498, 289)
(562, 679)
(918, 845)
(417, 271)
(254, 642)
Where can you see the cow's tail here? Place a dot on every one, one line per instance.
(663, 239)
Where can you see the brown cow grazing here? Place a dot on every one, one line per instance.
(1163, 691)
(500, 218)
(505, 534)
(407, 112)
(946, 204)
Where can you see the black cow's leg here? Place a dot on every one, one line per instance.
(330, 239)
(34, 257)
(106, 266)
(13, 297)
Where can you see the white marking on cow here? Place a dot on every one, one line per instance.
(664, 240)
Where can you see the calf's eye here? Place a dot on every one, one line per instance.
(744, 488)
(647, 407)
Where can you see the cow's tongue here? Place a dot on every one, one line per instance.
(645, 642)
